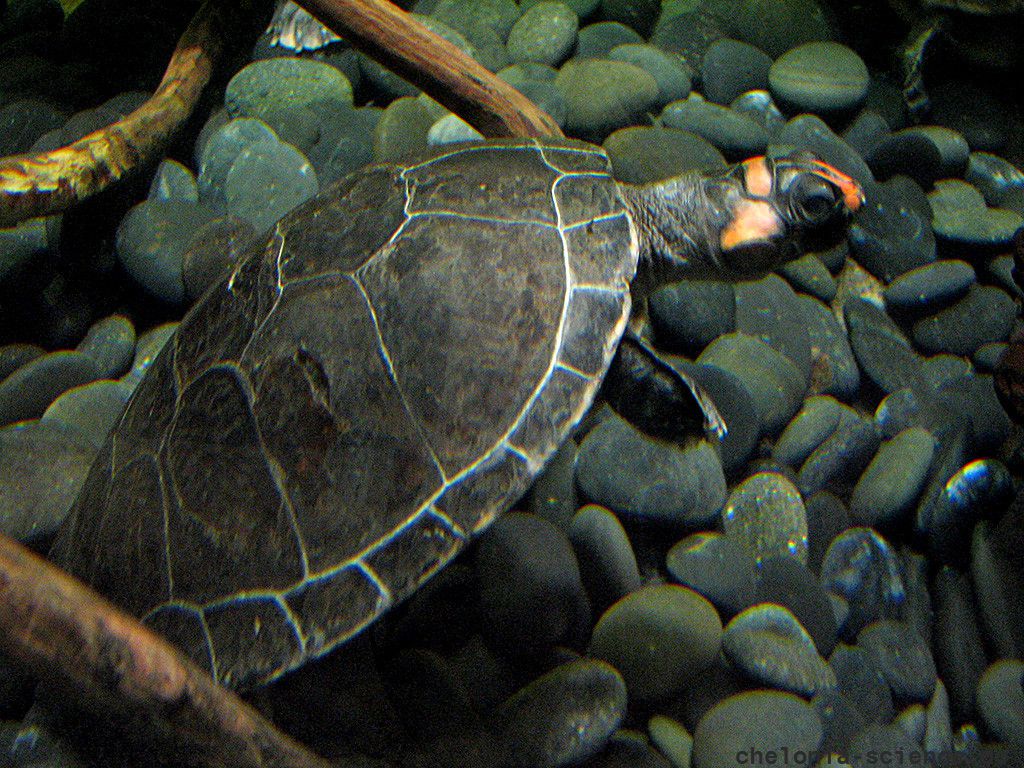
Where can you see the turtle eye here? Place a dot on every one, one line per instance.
(812, 200)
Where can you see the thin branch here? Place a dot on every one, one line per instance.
(63, 632)
(50, 182)
(389, 35)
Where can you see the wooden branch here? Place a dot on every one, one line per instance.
(63, 632)
(389, 35)
(50, 182)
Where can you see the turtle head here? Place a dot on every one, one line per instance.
(745, 221)
(775, 209)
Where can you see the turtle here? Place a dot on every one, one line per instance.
(387, 371)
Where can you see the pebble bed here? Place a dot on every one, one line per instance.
(840, 578)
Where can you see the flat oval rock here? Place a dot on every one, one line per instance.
(624, 470)
(903, 657)
(524, 562)
(765, 515)
(42, 469)
(27, 392)
(754, 723)
(894, 479)
(689, 315)
(820, 77)
(92, 408)
(563, 717)
(111, 343)
(768, 644)
(717, 567)
(605, 555)
(659, 638)
(775, 383)
(860, 567)
(930, 285)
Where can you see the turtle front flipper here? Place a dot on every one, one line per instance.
(656, 398)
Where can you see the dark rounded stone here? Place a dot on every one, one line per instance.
(265, 183)
(985, 314)
(760, 106)
(271, 85)
(624, 470)
(151, 242)
(597, 40)
(689, 315)
(641, 154)
(820, 77)
(42, 469)
(842, 456)
(980, 490)
(809, 275)
(865, 132)
(933, 284)
(737, 135)
(173, 181)
(93, 409)
(827, 517)
(553, 494)
(775, 383)
(998, 598)
(840, 718)
(816, 420)
(669, 70)
(218, 149)
(765, 514)
(892, 482)
(110, 342)
(735, 405)
(787, 582)
(605, 555)
(907, 152)
(962, 219)
(603, 95)
(834, 370)
(1000, 698)
(672, 739)
(717, 567)
(27, 392)
(147, 347)
(659, 638)
(545, 33)
(860, 567)
(861, 681)
(994, 176)
(563, 717)
(768, 644)
(889, 236)
(767, 309)
(345, 144)
(730, 68)
(25, 120)
(777, 28)
(755, 723)
(903, 658)
(883, 352)
(531, 596)
(13, 356)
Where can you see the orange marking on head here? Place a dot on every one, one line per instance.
(853, 195)
(752, 221)
(757, 177)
